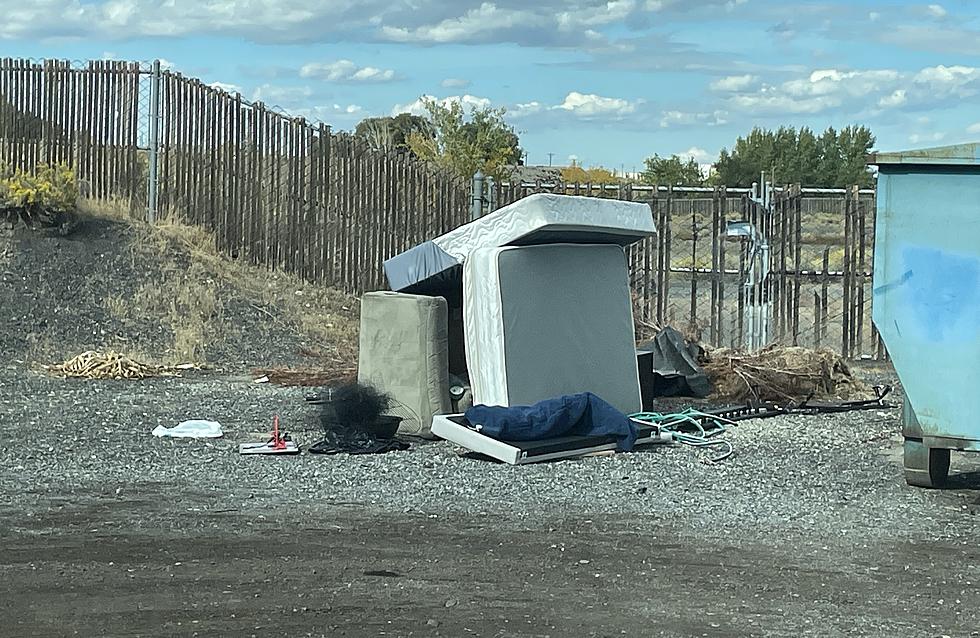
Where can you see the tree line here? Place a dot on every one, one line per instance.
(464, 142)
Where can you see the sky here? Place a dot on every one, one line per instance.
(604, 83)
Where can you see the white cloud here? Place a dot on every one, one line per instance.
(266, 20)
(544, 23)
(331, 113)
(669, 119)
(855, 91)
(734, 83)
(897, 98)
(577, 106)
(226, 87)
(958, 80)
(936, 10)
(563, 23)
(832, 82)
(699, 155)
(345, 71)
(455, 83)
(920, 138)
(418, 106)
(873, 16)
(119, 12)
(589, 105)
(611, 11)
(524, 109)
(284, 96)
(973, 128)
(474, 25)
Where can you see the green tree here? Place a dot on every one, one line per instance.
(792, 156)
(391, 133)
(671, 171)
(853, 145)
(483, 141)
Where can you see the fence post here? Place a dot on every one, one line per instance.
(152, 182)
(491, 194)
(476, 201)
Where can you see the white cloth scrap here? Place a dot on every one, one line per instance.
(193, 429)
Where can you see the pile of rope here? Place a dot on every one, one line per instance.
(111, 365)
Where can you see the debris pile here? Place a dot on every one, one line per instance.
(780, 374)
(354, 420)
(304, 377)
(111, 365)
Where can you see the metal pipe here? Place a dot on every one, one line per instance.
(491, 194)
(476, 204)
(152, 184)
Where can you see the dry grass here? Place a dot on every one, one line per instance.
(781, 375)
(191, 291)
(116, 209)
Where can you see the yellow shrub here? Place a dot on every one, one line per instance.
(51, 189)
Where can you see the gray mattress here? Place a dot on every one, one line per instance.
(545, 321)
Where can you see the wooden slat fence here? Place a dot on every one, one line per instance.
(276, 190)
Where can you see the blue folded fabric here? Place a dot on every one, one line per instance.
(582, 414)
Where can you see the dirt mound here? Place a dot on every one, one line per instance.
(161, 294)
(782, 374)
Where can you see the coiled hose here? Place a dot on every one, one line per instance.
(688, 427)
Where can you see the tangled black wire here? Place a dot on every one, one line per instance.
(353, 421)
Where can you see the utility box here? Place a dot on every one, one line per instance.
(927, 298)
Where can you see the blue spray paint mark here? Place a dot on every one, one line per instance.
(944, 294)
(883, 288)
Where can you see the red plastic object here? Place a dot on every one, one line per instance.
(278, 442)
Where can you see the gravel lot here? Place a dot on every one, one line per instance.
(809, 529)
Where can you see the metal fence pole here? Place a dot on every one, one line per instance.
(476, 204)
(491, 194)
(152, 182)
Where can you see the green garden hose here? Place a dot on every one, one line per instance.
(688, 427)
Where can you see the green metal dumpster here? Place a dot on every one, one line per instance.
(927, 298)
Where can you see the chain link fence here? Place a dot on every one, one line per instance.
(733, 272)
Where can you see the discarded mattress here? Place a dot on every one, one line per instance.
(457, 429)
(547, 321)
(404, 352)
(669, 368)
(434, 266)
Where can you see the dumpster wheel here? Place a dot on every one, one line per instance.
(925, 466)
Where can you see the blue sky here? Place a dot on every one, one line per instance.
(608, 83)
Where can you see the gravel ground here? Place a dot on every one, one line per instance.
(808, 529)
(829, 475)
